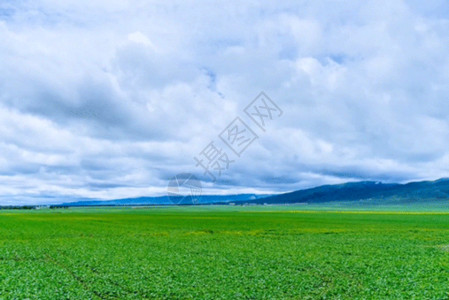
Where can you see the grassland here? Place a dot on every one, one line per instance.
(223, 252)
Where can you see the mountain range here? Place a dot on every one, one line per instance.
(365, 191)
(360, 192)
(166, 200)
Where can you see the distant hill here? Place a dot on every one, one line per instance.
(369, 191)
(364, 191)
(165, 200)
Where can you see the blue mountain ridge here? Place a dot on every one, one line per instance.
(367, 191)
(165, 200)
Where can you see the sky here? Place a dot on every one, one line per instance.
(109, 99)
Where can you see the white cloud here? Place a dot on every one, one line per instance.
(111, 98)
(140, 38)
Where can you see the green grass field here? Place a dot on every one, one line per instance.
(223, 252)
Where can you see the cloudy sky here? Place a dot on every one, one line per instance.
(111, 98)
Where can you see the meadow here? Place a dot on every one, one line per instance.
(223, 253)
